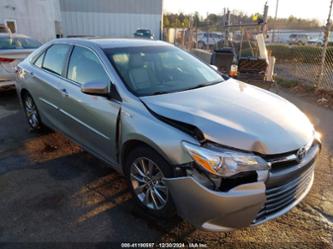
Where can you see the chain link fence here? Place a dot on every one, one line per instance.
(302, 56)
(302, 64)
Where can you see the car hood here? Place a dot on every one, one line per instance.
(238, 115)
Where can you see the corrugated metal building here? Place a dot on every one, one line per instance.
(110, 17)
(36, 18)
(47, 19)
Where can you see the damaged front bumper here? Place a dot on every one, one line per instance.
(247, 204)
(216, 211)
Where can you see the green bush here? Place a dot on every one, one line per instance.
(299, 54)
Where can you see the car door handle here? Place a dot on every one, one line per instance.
(64, 92)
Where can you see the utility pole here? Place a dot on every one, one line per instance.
(275, 19)
(323, 54)
(226, 31)
(265, 18)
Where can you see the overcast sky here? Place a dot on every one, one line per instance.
(300, 8)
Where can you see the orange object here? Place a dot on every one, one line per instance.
(204, 163)
(233, 71)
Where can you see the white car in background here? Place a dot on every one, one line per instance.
(13, 49)
(208, 39)
(298, 39)
(319, 41)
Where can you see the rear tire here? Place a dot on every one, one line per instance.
(31, 112)
(144, 171)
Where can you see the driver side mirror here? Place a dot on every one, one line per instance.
(95, 88)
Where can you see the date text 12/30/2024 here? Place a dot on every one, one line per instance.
(164, 245)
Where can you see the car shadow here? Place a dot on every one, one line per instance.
(100, 193)
(9, 99)
(57, 179)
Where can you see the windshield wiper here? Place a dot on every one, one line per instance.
(160, 92)
(191, 88)
(205, 84)
(198, 86)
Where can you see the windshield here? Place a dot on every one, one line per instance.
(160, 69)
(8, 42)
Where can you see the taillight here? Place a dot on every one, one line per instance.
(6, 60)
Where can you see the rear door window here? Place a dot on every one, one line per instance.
(84, 66)
(55, 58)
(39, 61)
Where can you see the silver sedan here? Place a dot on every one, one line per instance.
(221, 153)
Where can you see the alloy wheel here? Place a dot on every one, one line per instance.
(147, 182)
(31, 112)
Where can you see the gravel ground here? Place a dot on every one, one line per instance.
(53, 192)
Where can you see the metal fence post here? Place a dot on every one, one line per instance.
(323, 54)
(226, 31)
(275, 20)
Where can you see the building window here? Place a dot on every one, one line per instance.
(11, 24)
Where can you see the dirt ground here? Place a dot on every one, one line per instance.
(52, 192)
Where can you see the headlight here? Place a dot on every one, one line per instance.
(224, 162)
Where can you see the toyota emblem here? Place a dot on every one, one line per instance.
(301, 154)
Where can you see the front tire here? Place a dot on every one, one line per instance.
(145, 170)
(31, 112)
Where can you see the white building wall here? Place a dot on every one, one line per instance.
(35, 18)
(108, 24)
(116, 18)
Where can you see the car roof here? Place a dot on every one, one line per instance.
(106, 43)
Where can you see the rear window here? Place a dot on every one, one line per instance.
(8, 42)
